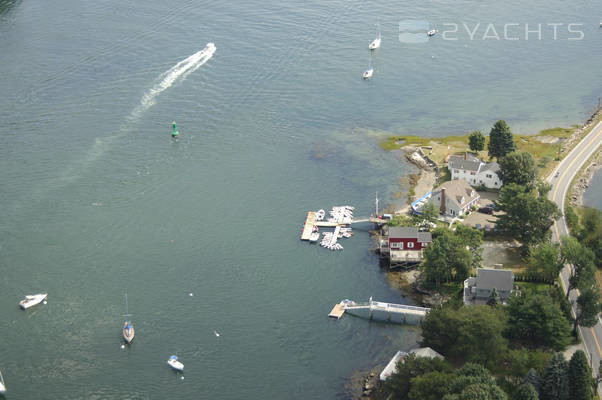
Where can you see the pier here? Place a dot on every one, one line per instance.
(310, 222)
(371, 305)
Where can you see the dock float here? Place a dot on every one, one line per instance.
(308, 227)
(337, 311)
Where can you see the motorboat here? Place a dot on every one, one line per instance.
(175, 364)
(314, 236)
(376, 42)
(432, 32)
(2, 385)
(32, 300)
(368, 73)
(128, 327)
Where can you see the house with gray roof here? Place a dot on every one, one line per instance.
(454, 198)
(478, 289)
(474, 171)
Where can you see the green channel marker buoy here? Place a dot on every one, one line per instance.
(174, 132)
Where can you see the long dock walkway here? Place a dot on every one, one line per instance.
(380, 306)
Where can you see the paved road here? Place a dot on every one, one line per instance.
(570, 165)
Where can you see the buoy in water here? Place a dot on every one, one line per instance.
(174, 132)
(123, 346)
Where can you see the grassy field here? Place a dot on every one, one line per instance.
(544, 146)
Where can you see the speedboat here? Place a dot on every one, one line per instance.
(432, 32)
(368, 73)
(2, 385)
(175, 364)
(32, 300)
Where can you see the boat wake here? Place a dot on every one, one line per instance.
(177, 73)
(180, 71)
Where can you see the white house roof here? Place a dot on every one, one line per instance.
(500, 279)
(426, 352)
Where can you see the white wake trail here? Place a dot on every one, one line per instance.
(178, 72)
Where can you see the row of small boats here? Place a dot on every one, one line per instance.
(375, 44)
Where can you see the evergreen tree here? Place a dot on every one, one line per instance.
(534, 379)
(494, 298)
(555, 385)
(525, 391)
(518, 167)
(476, 141)
(501, 141)
(580, 377)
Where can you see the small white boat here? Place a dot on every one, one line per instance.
(368, 73)
(432, 32)
(314, 237)
(32, 300)
(376, 42)
(175, 364)
(2, 385)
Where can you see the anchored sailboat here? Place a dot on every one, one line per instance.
(368, 73)
(128, 327)
(376, 42)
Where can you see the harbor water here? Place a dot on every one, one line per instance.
(203, 232)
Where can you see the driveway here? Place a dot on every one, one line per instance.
(480, 220)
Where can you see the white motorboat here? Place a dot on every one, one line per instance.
(376, 42)
(368, 73)
(314, 236)
(2, 385)
(175, 364)
(432, 32)
(32, 300)
(128, 327)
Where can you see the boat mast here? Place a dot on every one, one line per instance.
(126, 307)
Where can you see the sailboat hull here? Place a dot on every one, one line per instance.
(128, 332)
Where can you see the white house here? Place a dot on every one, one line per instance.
(474, 171)
(455, 197)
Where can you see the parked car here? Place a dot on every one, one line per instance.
(486, 210)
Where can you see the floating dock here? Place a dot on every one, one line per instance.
(337, 311)
(308, 227)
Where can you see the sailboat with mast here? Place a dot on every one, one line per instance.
(128, 327)
(376, 42)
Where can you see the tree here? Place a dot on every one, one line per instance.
(468, 333)
(501, 141)
(431, 386)
(555, 383)
(525, 391)
(518, 167)
(588, 307)
(494, 298)
(545, 261)
(529, 214)
(535, 319)
(430, 212)
(580, 377)
(446, 258)
(400, 382)
(474, 382)
(582, 270)
(534, 379)
(473, 238)
(476, 141)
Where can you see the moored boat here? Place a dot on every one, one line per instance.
(432, 32)
(32, 300)
(175, 364)
(128, 328)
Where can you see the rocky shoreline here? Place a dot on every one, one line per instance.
(584, 179)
